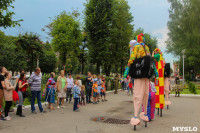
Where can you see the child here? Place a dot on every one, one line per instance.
(130, 86)
(94, 91)
(99, 87)
(103, 91)
(82, 95)
(76, 93)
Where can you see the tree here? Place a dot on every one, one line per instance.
(48, 60)
(184, 31)
(6, 15)
(12, 56)
(83, 52)
(66, 35)
(121, 32)
(98, 22)
(32, 45)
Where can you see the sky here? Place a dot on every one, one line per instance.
(151, 15)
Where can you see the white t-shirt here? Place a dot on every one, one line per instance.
(70, 82)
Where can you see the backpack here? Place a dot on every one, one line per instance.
(17, 86)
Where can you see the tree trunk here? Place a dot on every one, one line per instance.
(98, 69)
(31, 63)
(107, 69)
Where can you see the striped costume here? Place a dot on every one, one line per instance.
(159, 84)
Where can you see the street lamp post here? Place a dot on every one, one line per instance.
(183, 51)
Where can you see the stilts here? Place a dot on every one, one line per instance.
(145, 123)
(134, 127)
(160, 112)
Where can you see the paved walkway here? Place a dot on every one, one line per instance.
(184, 111)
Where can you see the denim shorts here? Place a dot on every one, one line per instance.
(94, 94)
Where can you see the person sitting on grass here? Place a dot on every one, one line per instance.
(76, 95)
(94, 91)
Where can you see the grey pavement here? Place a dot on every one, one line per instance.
(184, 112)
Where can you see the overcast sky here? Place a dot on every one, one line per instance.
(151, 15)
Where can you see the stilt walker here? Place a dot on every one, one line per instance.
(140, 66)
(167, 84)
(159, 84)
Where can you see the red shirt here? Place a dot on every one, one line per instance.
(130, 85)
(24, 88)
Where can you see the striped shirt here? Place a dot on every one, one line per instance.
(76, 91)
(35, 81)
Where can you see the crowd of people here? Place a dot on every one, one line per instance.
(64, 88)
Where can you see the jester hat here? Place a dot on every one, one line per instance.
(140, 38)
(159, 51)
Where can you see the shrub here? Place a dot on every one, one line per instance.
(192, 88)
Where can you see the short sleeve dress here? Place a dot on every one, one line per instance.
(50, 93)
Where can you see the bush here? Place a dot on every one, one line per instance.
(192, 88)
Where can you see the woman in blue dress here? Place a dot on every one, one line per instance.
(50, 91)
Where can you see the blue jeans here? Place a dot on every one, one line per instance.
(75, 104)
(34, 95)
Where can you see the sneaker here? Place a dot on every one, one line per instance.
(8, 118)
(34, 112)
(93, 102)
(77, 110)
(58, 107)
(43, 111)
(62, 106)
(2, 118)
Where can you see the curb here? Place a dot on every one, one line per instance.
(187, 95)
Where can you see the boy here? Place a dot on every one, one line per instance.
(103, 91)
(76, 93)
(94, 91)
(82, 95)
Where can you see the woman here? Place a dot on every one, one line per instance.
(8, 95)
(18, 76)
(50, 91)
(23, 85)
(62, 88)
(2, 86)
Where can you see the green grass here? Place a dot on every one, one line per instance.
(186, 91)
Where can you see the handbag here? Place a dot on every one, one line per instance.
(15, 96)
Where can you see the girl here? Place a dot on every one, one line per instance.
(50, 93)
(82, 95)
(8, 95)
(23, 85)
(99, 87)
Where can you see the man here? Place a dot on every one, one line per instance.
(116, 79)
(140, 70)
(89, 83)
(2, 86)
(35, 83)
(70, 84)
